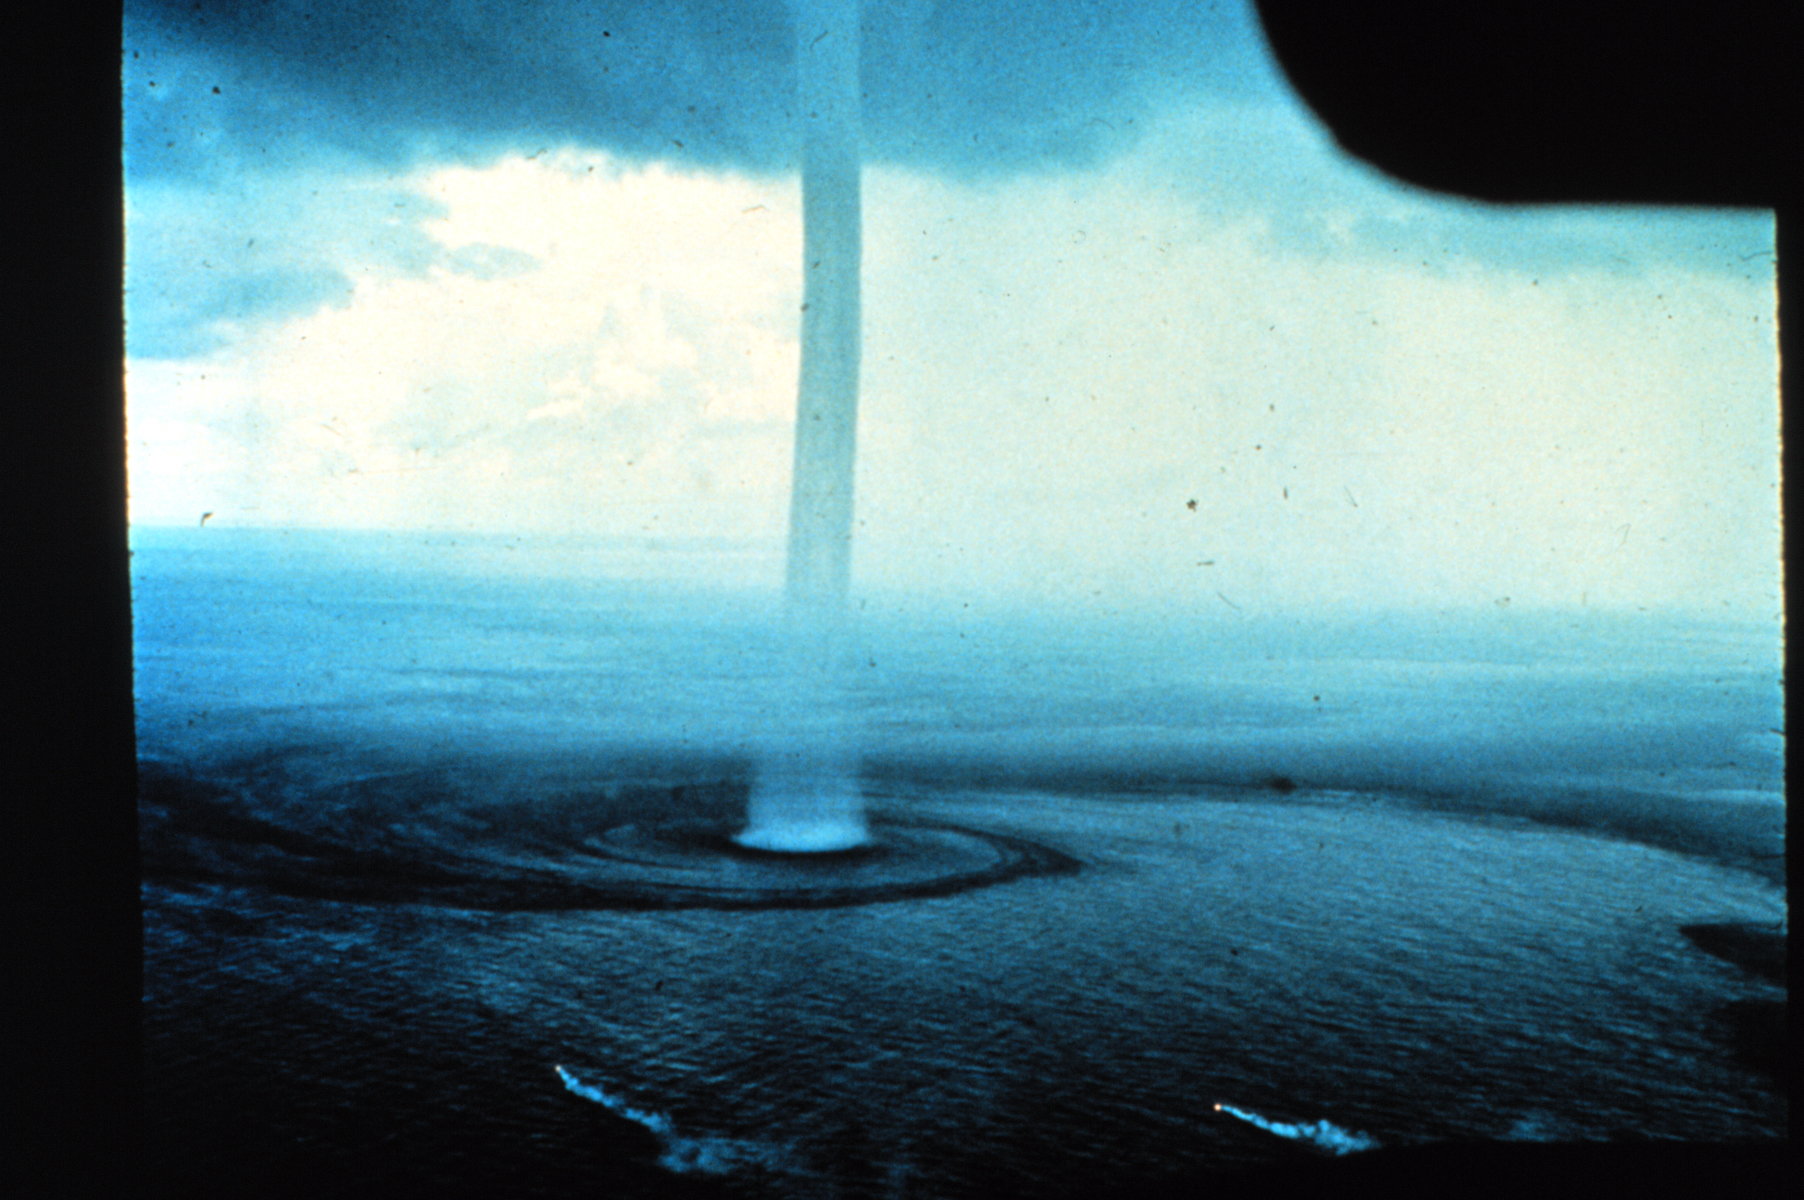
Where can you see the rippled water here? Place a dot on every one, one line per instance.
(1412, 976)
(368, 941)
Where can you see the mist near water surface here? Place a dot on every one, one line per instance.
(514, 646)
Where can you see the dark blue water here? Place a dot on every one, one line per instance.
(427, 818)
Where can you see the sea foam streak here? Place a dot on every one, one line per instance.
(1322, 1134)
(683, 1155)
(658, 1123)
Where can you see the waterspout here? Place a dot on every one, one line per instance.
(806, 796)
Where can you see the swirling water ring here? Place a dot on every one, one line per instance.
(696, 863)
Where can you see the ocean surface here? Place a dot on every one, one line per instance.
(440, 897)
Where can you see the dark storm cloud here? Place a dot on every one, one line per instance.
(202, 263)
(1272, 161)
(967, 89)
(252, 125)
(198, 320)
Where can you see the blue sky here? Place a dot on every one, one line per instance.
(536, 268)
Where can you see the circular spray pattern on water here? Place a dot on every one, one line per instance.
(682, 863)
(396, 840)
